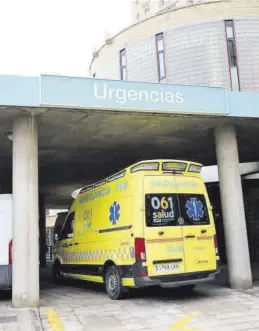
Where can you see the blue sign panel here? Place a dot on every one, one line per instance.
(19, 91)
(85, 93)
(127, 96)
(243, 104)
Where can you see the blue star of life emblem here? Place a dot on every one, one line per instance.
(114, 213)
(194, 209)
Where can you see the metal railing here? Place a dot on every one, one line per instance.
(50, 253)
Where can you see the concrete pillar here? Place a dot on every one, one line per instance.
(42, 231)
(25, 292)
(233, 208)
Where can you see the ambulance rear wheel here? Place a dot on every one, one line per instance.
(113, 283)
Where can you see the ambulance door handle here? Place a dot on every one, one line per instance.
(189, 236)
(76, 243)
(161, 233)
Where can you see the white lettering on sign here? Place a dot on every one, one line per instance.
(123, 96)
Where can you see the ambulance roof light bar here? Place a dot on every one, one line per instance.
(145, 166)
(174, 166)
(195, 168)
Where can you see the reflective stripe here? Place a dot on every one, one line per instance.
(205, 238)
(167, 240)
(119, 254)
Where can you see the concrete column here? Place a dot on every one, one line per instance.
(25, 292)
(42, 231)
(233, 208)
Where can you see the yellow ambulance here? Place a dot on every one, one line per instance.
(150, 224)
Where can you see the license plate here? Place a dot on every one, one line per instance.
(167, 267)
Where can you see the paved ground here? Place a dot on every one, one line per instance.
(81, 306)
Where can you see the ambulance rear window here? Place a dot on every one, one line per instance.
(176, 210)
(161, 210)
(193, 209)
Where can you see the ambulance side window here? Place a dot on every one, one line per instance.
(67, 231)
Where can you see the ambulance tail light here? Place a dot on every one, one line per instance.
(216, 244)
(10, 252)
(140, 249)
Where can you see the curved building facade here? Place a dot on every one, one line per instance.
(215, 43)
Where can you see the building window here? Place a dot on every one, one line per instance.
(160, 56)
(123, 64)
(231, 44)
(146, 11)
(232, 57)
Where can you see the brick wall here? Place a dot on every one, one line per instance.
(247, 39)
(108, 66)
(196, 55)
(141, 61)
(195, 46)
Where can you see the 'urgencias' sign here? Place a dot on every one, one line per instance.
(88, 93)
(123, 96)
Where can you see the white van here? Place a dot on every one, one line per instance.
(5, 241)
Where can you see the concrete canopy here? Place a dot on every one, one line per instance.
(80, 145)
(76, 148)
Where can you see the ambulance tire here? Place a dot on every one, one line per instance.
(113, 283)
(57, 275)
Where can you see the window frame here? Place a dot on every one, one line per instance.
(159, 53)
(232, 53)
(63, 236)
(123, 66)
(232, 58)
(231, 41)
(146, 11)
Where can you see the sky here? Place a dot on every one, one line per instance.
(56, 36)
